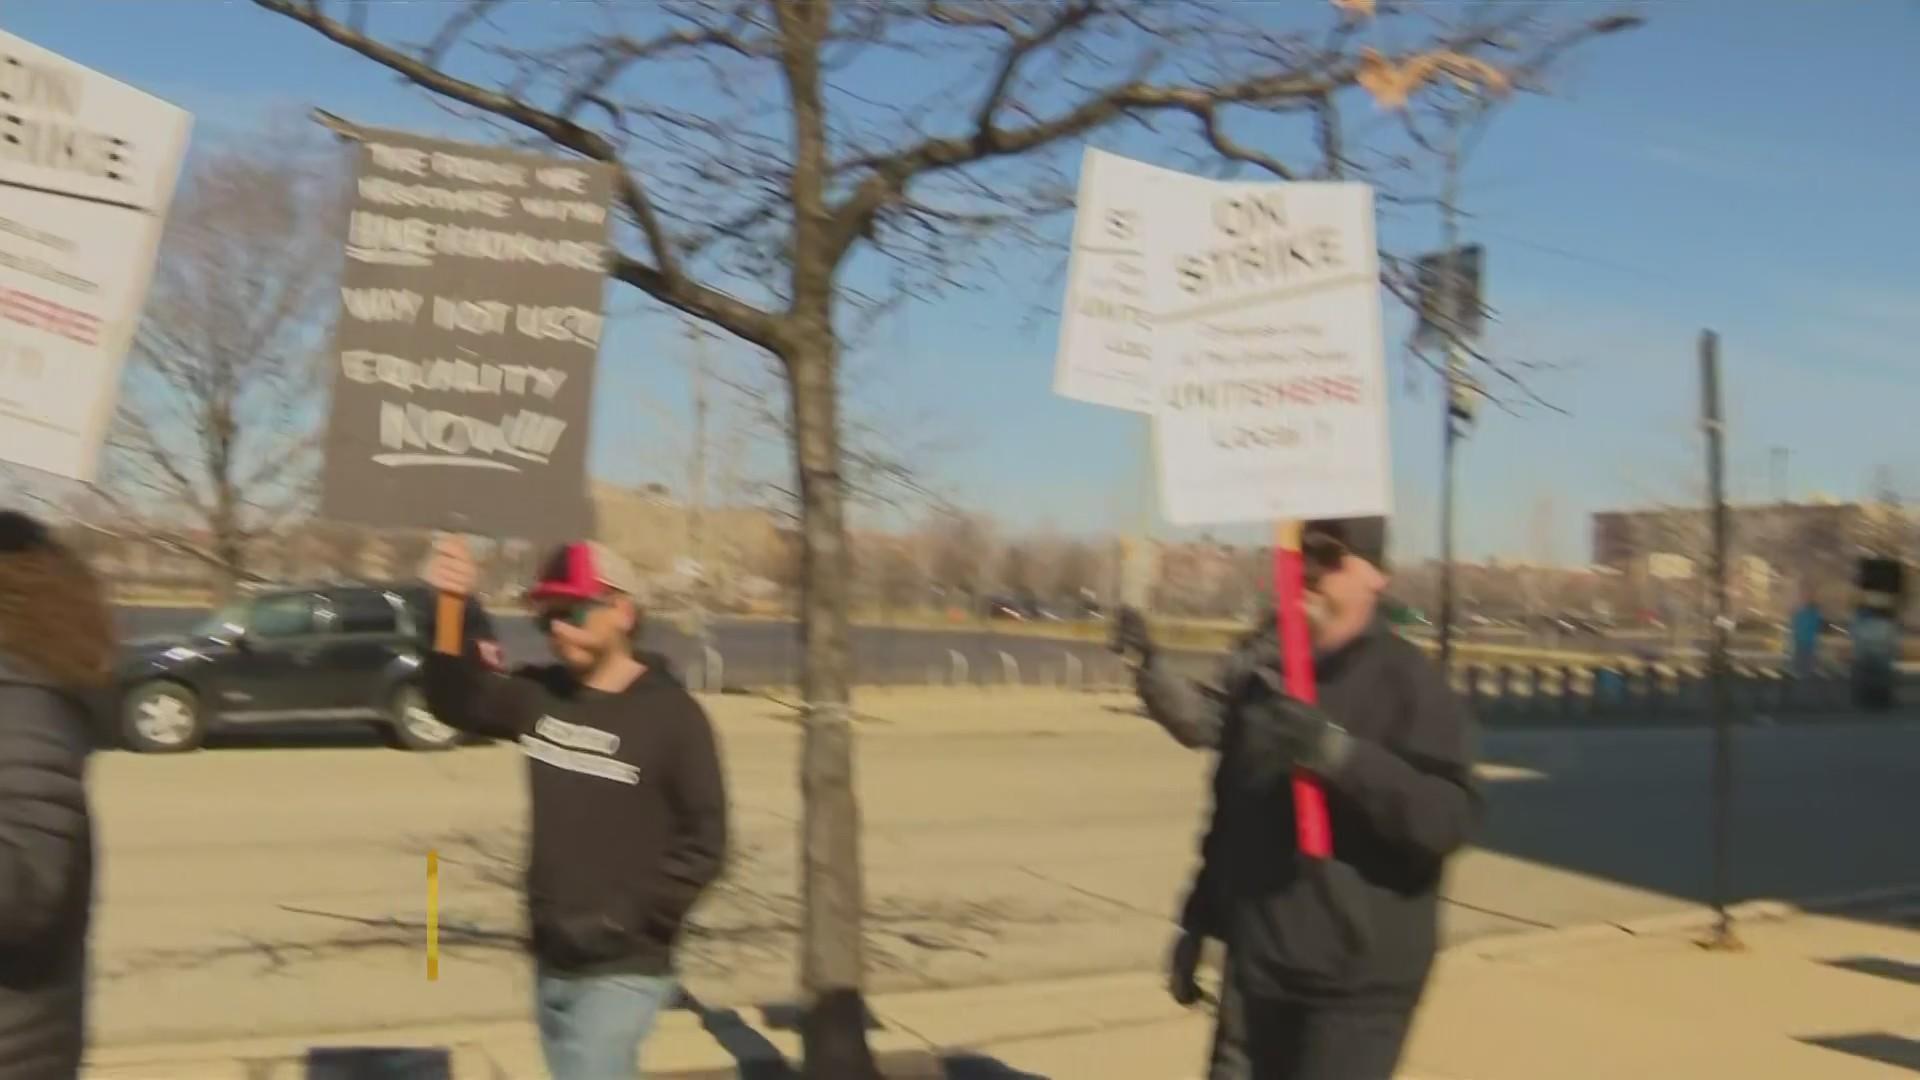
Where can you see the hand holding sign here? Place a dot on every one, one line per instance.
(452, 572)
(451, 568)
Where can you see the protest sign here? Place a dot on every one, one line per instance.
(464, 351)
(1106, 333)
(1269, 358)
(87, 170)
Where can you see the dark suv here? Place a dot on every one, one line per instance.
(329, 653)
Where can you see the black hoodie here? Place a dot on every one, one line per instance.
(1365, 931)
(629, 806)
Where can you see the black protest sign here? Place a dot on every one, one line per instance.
(464, 350)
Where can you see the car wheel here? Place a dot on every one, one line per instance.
(162, 718)
(415, 727)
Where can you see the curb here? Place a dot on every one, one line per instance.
(1684, 923)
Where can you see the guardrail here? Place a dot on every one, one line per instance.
(1536, 693)
(1501, 694)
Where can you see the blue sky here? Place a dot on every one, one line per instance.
(1745, 165)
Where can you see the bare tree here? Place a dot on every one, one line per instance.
(1020, 571)
(961, 550)
(885, 451)
(1079, 571)
(1890, 527)
(895, 578)
(764, 220)
(215, 446)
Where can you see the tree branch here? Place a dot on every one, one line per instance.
(454, 29)
(1223, 145)
(663, 280)
(1025, 45)
(1326, 116)
(890, 174)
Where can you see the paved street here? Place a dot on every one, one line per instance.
(266, 887)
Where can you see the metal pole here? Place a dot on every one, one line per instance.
(697, 484)
(1449, 438)
(1715, 427)
(1133, 584)
(1456, 364)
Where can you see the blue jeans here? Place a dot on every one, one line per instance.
(591, 1027)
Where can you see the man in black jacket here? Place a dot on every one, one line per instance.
(628, 802)
(56, 645)
(1325, 962)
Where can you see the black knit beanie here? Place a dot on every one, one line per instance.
(1363, 536)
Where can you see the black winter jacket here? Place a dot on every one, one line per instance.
(1403, 799)
(46, 879)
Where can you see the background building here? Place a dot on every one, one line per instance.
(1776, 552)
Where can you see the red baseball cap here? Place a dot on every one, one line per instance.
(584, 570)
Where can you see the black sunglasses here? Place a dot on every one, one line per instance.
(574, 615)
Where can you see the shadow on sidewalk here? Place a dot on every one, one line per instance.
(975, 1067)
(384, 1062)
(756, 1058)
(1818, 811)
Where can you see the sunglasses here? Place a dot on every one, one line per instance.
(574, 615)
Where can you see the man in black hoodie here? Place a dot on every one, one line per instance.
(628, 802)
(1325, 961)
(56, 648)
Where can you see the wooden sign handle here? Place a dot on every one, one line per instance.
(449, 620)
(1312, 830)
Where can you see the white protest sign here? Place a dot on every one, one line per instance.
(1270, 362)
(1106, 334)
(87, 169)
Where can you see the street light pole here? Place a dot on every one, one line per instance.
(1711, 420)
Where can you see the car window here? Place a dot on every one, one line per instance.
(281, 616)
(364, 612)
(223, 623)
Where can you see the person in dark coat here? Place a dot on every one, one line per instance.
(1325, 962)
(56, 645)
(1194, 714)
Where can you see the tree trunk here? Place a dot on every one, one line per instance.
(834, 1032)
(832, 952)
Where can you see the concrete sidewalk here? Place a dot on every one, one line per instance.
(1821, 997)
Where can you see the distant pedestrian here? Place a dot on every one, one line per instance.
(628, 802)
(1807, 625)
(1325, 963)
(56, 647)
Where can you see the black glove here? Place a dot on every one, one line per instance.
(1131, 638)
(1302, 734)
(1183, 967)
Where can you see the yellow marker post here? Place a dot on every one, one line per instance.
(433, 916)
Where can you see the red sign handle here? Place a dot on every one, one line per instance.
(1312, 830)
